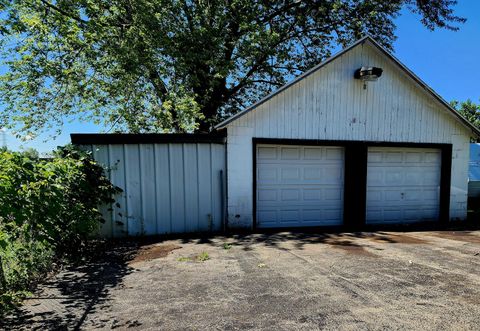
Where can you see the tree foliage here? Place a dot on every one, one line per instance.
(48, 209)
(174, 65)
(469, 110)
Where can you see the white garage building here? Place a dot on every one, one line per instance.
(327, 149)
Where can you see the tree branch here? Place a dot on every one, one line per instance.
(63, 12)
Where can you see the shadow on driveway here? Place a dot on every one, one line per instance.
(65, 300)
(68, 299)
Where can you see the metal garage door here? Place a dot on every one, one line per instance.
(299, 186)
(403, 185)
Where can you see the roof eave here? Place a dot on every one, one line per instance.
(412, 75)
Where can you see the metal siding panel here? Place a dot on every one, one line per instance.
(348, 98)
(177, 188)
(300, 130)
(308, 106)
(329, 102)
(134, 193)
(294, 114)
(265, 120)
(147, 186)
(162, 186)
(204, 186)
(218, 165)
(190, 164)
(100, 154)
(287, 111)
(117, 166)
(348, 113)
(273, 119)
(321, 105)
(320, 126)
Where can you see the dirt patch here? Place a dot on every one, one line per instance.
(464, 236)
(350, 247)
(391, 238)
(152, 252)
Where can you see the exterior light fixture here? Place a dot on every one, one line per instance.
(368, 74)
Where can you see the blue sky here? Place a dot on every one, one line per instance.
(447, 61)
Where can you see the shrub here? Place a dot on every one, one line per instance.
(48, 210)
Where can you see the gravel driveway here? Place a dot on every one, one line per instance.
(283, 281)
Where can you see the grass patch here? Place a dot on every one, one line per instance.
(184, 259)
(227, 246)
(203, 256)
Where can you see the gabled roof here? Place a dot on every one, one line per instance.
(365, 39)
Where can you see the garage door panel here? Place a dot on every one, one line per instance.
(375, 157)
(403, 185)
(313, 174)
(267, 174)
(392, 157)
(333, 194)
(266, 153)
(375, 195)
(267, 195)
(312, 195)
(375, 176)
(289, 215)
(268, 216)
(413, 157)
(312, 215)
(288, 153)
(414, 177)
(333, 215)
(312, 153)
(431, 178)
(289, 175)
(308, 190)
(290, 195)
(393, 195)
(393, 176)
(334, 154)
(333, 174)
(433, 157)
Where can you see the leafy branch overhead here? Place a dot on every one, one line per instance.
(469, 110)
(174, 65)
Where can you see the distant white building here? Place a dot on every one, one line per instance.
(474, 171)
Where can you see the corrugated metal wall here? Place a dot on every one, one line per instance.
(167, 188)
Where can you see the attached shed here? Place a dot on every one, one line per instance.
(329, 149)
(172, 183)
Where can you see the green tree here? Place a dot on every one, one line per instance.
(174, 65)
(469, 110)
(31, 153)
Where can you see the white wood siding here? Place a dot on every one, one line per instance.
(330, 104)
(167, 188)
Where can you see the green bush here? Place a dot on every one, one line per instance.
(48, 211)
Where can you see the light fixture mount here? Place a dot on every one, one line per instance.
(368, 74)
